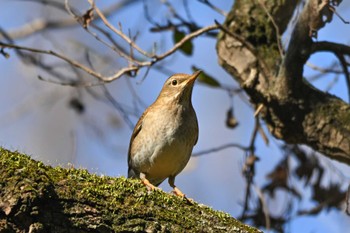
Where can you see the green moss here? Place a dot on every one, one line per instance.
(252, 23)
(100, 202)
(334, 110)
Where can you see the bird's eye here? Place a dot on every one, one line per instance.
(174, 82)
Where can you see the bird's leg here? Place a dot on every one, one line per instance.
(176, 191)
(146, 182)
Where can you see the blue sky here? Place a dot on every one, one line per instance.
(35, 119)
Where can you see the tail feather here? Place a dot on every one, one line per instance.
(132, 173)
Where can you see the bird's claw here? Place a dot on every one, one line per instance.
(149, 186)
(178, 193)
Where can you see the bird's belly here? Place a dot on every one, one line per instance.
(168, 161)
(163, 160)
(165, 149)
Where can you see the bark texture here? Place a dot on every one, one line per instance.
(39, 198)
(293, 109)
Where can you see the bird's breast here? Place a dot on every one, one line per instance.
(167, 142)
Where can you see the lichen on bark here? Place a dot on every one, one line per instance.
(292, 108)
(39, 198)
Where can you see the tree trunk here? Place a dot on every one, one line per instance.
(39, 198)
(294, 111)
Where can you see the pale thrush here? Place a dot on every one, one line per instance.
(162, 141)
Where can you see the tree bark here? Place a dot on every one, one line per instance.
(39, 198)
(294, 111)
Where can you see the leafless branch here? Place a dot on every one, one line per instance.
(115, 103)
(326, 46)
(339, 50)
(346, 71)
(118, 32)
(254, 134)
(223, 147)
(339, 16)
(265, 208)
(39, 25)
(73, 63)
(122, 71)
(212, 6)
(186, 38)
(329, 69)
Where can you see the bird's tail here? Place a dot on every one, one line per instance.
(132, 173)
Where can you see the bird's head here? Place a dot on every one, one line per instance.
(178, 88)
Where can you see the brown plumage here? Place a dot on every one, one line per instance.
(162, 141)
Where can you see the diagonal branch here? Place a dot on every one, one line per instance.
(326, 46)
(293, 110)
(122, 71)
(38, 25)
(339, 50)
(73, 62)
(346, 71)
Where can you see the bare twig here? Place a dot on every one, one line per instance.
(322, 70)
(226, 146)
(116, 48)
(115, 103)
(38, 25)
(186, 38)
(331, 83)
(117, 75)
(187, 10)
(264, 206)
(258, 109)
(263, 135)
(246, 197)
(339, 50)
(70, 83)
(147, 15)
(122, 71)
(339, 16)
(209, 4)
(346, 71)
(253, 137)
(118, 32)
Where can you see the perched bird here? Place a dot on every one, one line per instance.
(162, 141)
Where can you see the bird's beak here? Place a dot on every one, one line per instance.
(193, 77)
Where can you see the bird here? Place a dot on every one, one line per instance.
(163, 139)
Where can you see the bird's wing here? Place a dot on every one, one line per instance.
(195, 142)
(136, 131)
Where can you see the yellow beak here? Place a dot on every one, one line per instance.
(193, 77)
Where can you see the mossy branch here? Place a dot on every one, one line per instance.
(39, 198)
(293, 110)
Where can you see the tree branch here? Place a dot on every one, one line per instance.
(294, 111)
(39, 25)
(35, 196)
(122, 71)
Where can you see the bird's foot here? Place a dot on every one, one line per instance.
(149, 186)
(178, 193)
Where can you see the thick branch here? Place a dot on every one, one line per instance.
(39, 198)
(294, 111)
